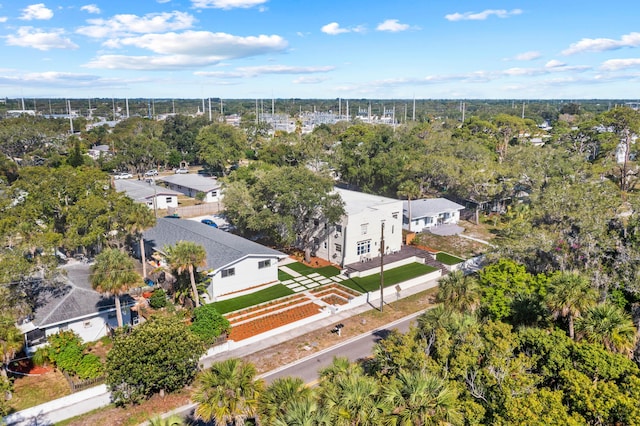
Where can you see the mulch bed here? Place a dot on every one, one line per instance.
(26, 367)
(266, 323)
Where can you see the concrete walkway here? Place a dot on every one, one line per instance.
(93, 398)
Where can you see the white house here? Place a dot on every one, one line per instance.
(73, 304)
(148, 193)
(428, 212)
(192, 184)
(358, 236)
(98, 151)
(234, 264)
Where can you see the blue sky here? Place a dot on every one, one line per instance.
(427, 49)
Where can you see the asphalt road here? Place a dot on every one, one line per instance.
(355, 348)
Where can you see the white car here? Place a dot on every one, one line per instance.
(182, 171)
(123, 175)
(152, 172)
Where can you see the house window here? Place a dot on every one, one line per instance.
(338, 228)
(324, 244)
(339, 248)
(264, 264)
(363, 247)
(168, 200)
(395, 215)
(316, 222)
(87, 324)
(214, 193)
(364, 228)
(63, 327)
(228, 272)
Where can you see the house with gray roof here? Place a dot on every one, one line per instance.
(234, 264)
(192, 184)
(147, 192)
(428, 212)
(70, 303)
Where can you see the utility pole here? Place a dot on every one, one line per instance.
(381, 265)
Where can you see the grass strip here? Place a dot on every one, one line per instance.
(448, 259)
(391, 277)
(274, 292)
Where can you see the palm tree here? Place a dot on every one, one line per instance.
(279, 397)
(139, 219)
(568, 295)
(11, 342)
(416, 398)
(459, 292)
(610, 326)
(411, 190)
(113, 274)
(228, 392)
(187, 255)
(304, 412)
(352, 400)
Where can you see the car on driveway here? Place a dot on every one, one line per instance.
(152, 172)
(123, 175)
(182, 171)
(209, 222)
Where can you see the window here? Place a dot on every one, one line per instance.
(168, 200)
(364, 228)
(63, 327)
(364, 247)
(316, 222)
(395, 215)
(228, 272)
(324, 245)
(264, 264)
(339, 248)
(87, 324)
(214, 193)
(338, 228)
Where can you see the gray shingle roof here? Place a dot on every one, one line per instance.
(192, 181)
(71, 298)
(140, 190)
(223, 248)
(429, 207)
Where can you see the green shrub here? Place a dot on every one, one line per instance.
(90, 367)
(158, 299)
(208, 324)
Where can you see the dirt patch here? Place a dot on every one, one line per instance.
(30, 391)
(456, 245)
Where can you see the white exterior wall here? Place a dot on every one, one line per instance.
(418, 224)
(93, 327)
(247, 274)
(163, 202)
(213, 196)
(209, 196)
(352, 234)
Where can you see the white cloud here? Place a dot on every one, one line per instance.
(41, 40)
(163, 1)
(246, 72)
(309, 80)
(36, 11)
(226, 4)
(527, 56)
(91, 8)
(3, 19)
(619, 64)
(481, 16)
(188, 49)
(126, 24)
(392, 25)
(205, 43)
(333, 28)
(554, 63)
(603, 44)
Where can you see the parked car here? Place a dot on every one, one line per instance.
(182, 171)
(209, 222)
(152, 172)
(123, 175)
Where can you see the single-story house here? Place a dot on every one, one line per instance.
(98, 151)
(233, 264)
(428, 212)
(147, 192)
(192, 184)
(357, 237)
(71, 303)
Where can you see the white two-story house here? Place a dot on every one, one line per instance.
(358, 236)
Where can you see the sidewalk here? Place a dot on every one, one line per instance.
(93, 398)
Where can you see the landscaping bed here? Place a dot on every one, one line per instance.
(274, 292)
(334, 299)
(260, 310)
(269, 322)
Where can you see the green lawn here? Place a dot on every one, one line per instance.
(326, 271)
(283, 276)
(448, 259)
(261, 296)
(391, 277)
